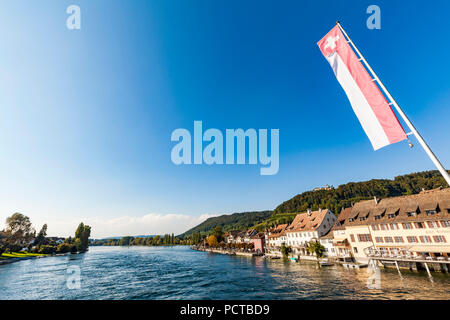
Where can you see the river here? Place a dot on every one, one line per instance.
(181, 273)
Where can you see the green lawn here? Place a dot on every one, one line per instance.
(20, 255)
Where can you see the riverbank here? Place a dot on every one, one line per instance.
(230, 252)
(7, 258)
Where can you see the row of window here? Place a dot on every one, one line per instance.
(303, 234)
(398, 239)
(411, 239)
(412, 225)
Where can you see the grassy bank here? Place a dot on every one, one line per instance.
(5, 256)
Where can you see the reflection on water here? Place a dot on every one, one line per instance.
(180, 273)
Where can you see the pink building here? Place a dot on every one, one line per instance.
(259, 242)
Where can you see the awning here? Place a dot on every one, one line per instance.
(436, 249)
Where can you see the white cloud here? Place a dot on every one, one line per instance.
(124, 226)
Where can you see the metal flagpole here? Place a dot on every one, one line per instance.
(400, 111)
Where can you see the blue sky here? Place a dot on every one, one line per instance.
(87, 114)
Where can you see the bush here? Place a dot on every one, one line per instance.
(285, 250)
(64, 248)
(46, 249)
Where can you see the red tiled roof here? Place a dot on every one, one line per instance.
(307, 221)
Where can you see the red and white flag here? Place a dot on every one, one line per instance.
(373, 111)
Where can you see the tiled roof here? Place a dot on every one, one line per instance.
(308, 221)
(396, 209)
(278, 231)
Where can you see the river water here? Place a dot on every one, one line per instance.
(181, 273)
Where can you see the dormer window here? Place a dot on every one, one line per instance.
(362, 218)
(354, 217)
(430, 208)
(392, 213)
(411, 214)
(379, 213)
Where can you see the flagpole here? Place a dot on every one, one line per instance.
(422, 142)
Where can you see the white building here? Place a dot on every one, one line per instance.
(307, 227)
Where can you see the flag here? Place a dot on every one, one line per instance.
(369, 104)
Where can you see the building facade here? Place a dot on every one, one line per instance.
(307, 227)
(406, 226)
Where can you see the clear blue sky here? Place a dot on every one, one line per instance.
(87, 115)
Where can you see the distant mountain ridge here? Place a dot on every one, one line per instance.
(327, 198)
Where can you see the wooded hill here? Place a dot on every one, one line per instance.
(334, 199)
(235, 221)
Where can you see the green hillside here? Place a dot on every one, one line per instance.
(235, 221)
(334, 199)
(352, 192)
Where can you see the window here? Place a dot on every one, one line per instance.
(375, 227)
(425, 239)
(352, 238)
(362, 218)
(432, 224)
(445, 223)
(411, 214)
(407, 225)
(383, 227)
(419, 225)
(439, 239)
(393, 226)
(412, 239)
(388, 239)
(364, 237)
(355, 250)
(430, 212)
(379, 239)
(398, 239)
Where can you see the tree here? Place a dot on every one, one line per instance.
(212, 241)
(196, 238)
(156, 240)
(41, 237)
(19, 232)
(315, 247)
(82, 235)
(126, 241)
(218, 233)
(285, 250)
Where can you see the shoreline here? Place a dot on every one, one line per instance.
(18, 259)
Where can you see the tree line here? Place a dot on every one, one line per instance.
(19, 235)
(165, 240)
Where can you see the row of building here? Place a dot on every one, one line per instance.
(405, 227)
